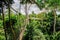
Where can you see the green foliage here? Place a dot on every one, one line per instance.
(33, 33)
(1, 24)
(41, 29)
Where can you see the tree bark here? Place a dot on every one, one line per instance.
(25, 24)
(54, 13)
(14, 37)
(4, 21)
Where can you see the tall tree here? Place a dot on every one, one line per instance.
(3, 21)
(50, 5)
(25, 22)
(2, 4)
(14, 36)
(54, 5)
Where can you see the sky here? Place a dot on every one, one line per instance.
(32, 7)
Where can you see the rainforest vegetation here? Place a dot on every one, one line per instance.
(41, 26)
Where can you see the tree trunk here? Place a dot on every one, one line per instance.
(4, 21)
(14, 37)
(25, 24)
(54, 13)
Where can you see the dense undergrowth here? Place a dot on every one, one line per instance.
(37, 29)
